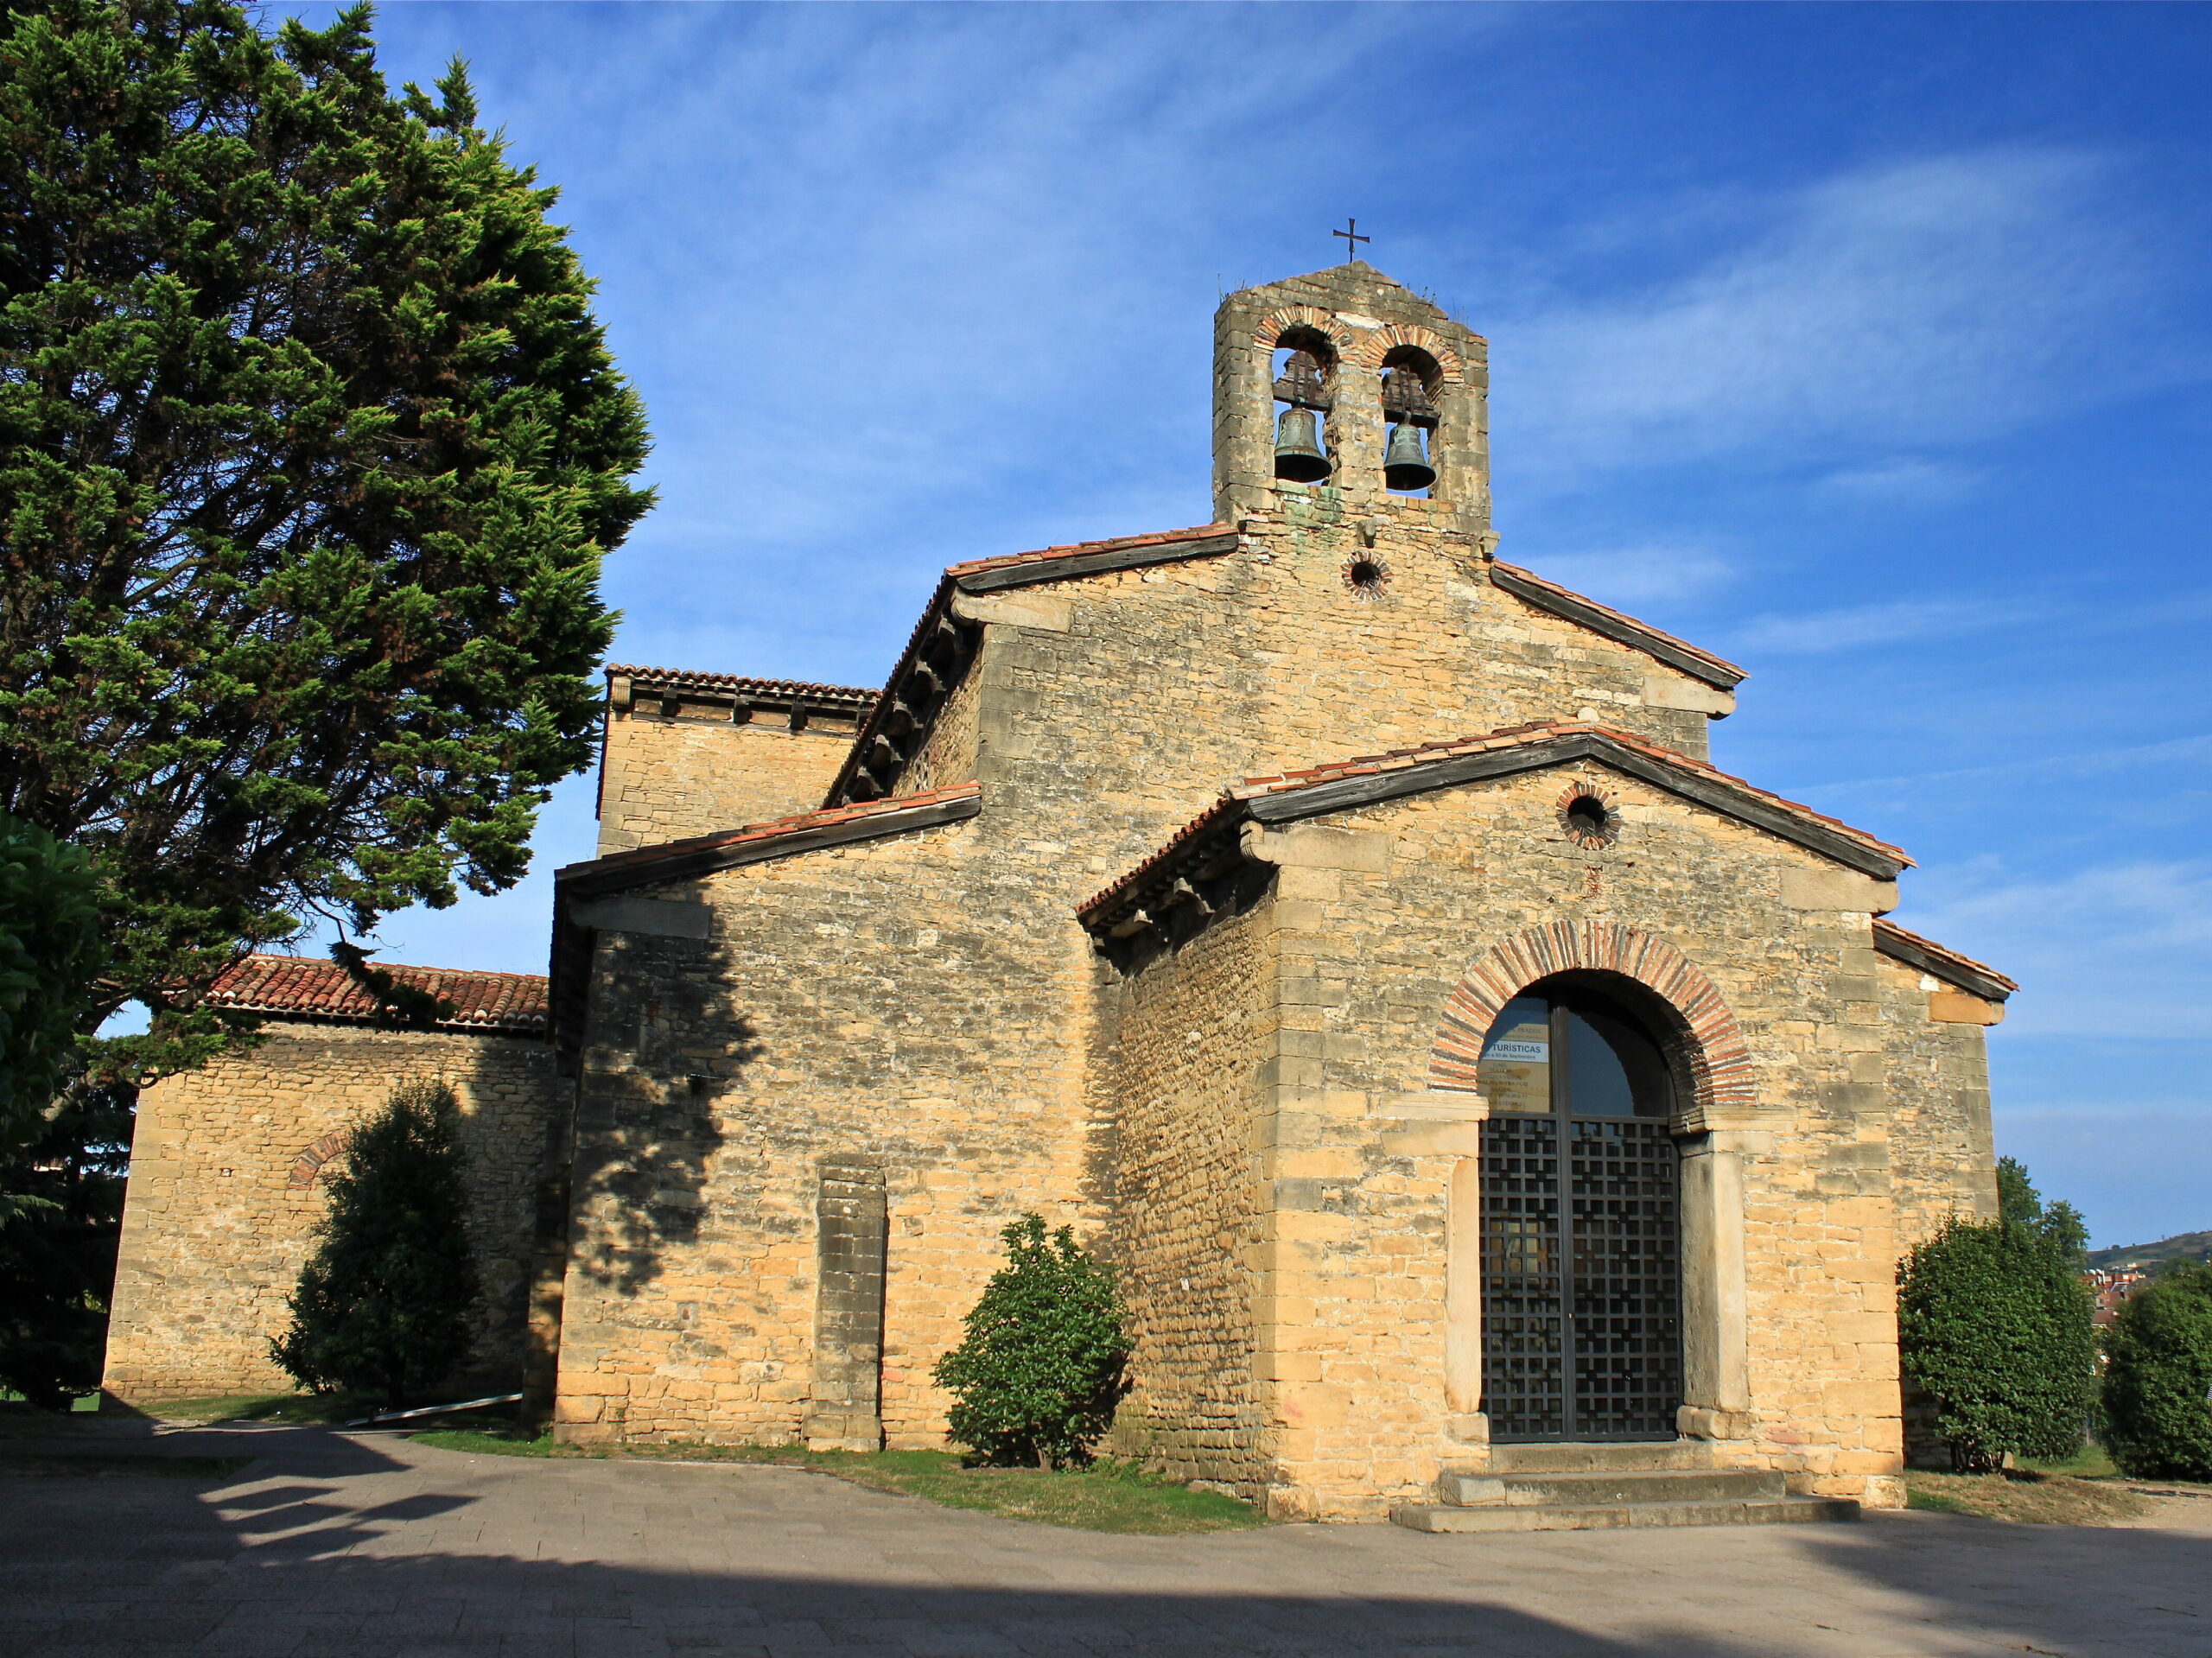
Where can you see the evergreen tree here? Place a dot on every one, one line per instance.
(2158, 1388)
(50, 952)
(2059, 1223)
(1994, 1324)
(384, 1305)
(1037, 1377)
(58, 1248)
(310, 450)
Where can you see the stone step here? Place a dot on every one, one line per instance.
(1592, 1457)
(1587, 1490)
(1611, 1516)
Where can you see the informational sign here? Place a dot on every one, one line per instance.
(1514, 1073)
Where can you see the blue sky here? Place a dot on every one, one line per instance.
(1869, 345)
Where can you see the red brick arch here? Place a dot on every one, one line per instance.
(1720, 1061)
(1278, 323)
(309, 1162)
(1371, 352)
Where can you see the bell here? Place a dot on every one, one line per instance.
(1298, 449)
(1404, 466)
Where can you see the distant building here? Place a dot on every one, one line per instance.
(2111, 1285)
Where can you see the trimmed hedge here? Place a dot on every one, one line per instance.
(1995, 1327)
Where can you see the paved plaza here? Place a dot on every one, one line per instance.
(370, 1547)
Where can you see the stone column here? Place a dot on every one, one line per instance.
(1463, 1303)
(844, 1408)
(1716, 1381)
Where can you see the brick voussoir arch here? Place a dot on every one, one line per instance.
(1371, 352)
(1719, 1058)
(1278, 323)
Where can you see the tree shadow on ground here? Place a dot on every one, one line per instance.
(335, 1545)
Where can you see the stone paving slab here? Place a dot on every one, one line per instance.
(374, 1547)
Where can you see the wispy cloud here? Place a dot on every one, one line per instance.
(1922, 302)
(1854, 627)
(2110, 950)
(2083, 763)
(1913, 480)
(1643, 573)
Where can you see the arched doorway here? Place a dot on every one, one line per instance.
(1581, 1223)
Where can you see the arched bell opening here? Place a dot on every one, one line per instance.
(1305, 366)
(1580, 1213)
(1411, 380)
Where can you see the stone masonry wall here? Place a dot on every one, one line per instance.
(663, 778)
(1187, 1047)
(224, 1192)
(1938, 1083)
(926, 999)
(1375, 915)
(874, 1006)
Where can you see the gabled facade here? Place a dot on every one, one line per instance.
(1099, 919)
(1344, 928)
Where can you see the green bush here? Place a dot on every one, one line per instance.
(384, 1304)
(1995, 1326)
(1037, 1378)
(2158, 1391)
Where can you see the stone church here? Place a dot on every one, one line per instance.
(1344, 929)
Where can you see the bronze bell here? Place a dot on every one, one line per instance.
(1298, 449)
(1404, 465)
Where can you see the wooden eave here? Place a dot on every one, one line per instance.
(1528, 586)
(1925, 954)
(1193, 854)
(705, 855)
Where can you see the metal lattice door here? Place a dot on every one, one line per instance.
(1581, 1279)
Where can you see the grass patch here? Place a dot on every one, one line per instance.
(2025, 1495)
(81, 1463)
(2090, 1462)
(258, 1408)
(1112, 1496)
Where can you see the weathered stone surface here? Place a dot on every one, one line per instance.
(224, 1192)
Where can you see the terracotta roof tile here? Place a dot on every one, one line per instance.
(1076, 549)
(1626, 620)
(1398, 760)
(682, 678)
(775, 827)
(1942, 952)
(310, 986)
(1402, 760)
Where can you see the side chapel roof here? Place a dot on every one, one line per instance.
(1940, 961)
(843, 698)
(1342, 785)
(779, 837)
(307, 987)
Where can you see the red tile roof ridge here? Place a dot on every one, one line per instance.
(738, 682)
(1511, 736)
(775, 827)
(311, 986)
(1699, 650)
(1074, 550)
(1882, 923)
(1197, 826)
(1427, 753)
